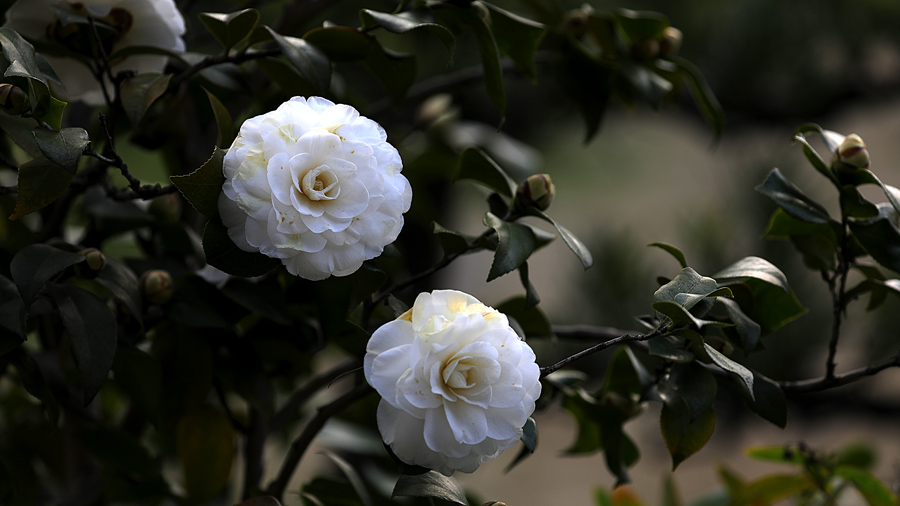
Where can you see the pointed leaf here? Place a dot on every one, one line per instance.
(124, 284)
(672, 250)
(880, 237)
(430, 484)
(693, 385)
(684, 438)
(490, 57)
(871, 488)
(206, 446)
(36, 264)
(573, 242)
(790, 198)
(310, 61)
(231, 28)
(341, 43)
(64, 147)
(139, 92)
(91, 327)
(747, 329)
(757, 268)
(477, 165)
(403, 22)
(352, 476)
(672, 348)
(451, 242)
(40, 183)
(516, 37)
(733, 367)
(679, 315)
(202, 187)
(703, 95)
(773, 488)
(517, 243)
(224, 124)
(813, 156)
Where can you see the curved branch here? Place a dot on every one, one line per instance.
(307, 390)
(837, 380)
(299, 446)
(211, 61)
(625, 338)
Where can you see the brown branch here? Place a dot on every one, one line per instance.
(608, 342)
(299, 446)
(826, 382)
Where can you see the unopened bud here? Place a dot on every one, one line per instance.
(576, 22)
(852, 153)
(13, 99)
(94, 259)
(670, 42)
(157, 286)
(434, 108)
(166, 207)
(645, 49)
(536, 191)
(494, 503)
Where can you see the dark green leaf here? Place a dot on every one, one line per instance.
(682, 436)
(119, 451)
(91, 327)
(754, 267)
(649, 84)
(569, 238)
(691, 384)
(262, 298)
(22, 59)
(773, 488)
(516, 37)
(395, 71)
(139, 375)
(624, 374)
(403, 22)
(588, 438)
(670, 348)
(531, 297)
(224, 124)
(34, 382)
(19, 130)
(12, 310)
(672, 250)
(679, 315)
(185, 58)
(831, 139)
(871, 488)
(880, 237)
(223, 254)
(641, 25)
(817, 242)
(352, 476)
(741, 372)
(451, 242)
(670, 493)
(311, 62)
(341, 43)
(206, 448)
(704, 97)
(202, 187)
(854, 205)
(588, 83)
(532, 320)
(529, 435)
(40, 183)
(139, 92)
(430, 484)
(260, 501)
(36, 264)
(229, 29)
(815, 159)
(286, 76)
(475, 164)
(490, 57)
(782, 454)
(64, 147)
(766, 304)
(517, 243)
(747, 329)
(124, 284)
(790, 198)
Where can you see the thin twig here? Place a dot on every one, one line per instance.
(826, 382)
(837, 285)
(306, 391)
(299, 446)
(211, 61)
(600, 347)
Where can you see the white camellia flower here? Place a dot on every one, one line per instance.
(121, 23)
(316, 185)
(457, 383)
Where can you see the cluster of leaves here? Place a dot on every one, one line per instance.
(820, 478)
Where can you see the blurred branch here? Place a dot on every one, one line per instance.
(307, 390)
(837, 285)
(299, 446)
(608, 342)
(211, 61)
(833, 381)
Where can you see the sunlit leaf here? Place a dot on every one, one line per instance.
(757, 268)
(790, 198)
(739, 370)
(672, 250)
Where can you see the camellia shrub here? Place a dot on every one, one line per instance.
(221, 228)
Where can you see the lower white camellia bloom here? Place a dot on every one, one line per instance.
(316, 185)
(121, 23)
(457, 383)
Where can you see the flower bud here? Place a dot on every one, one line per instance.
(494, 503)
(670, 42)
(13, 99)
(166, 207)
(645, 49)
(94, 259)
(536, 191)
(576, 22)
(852, 153)
(435, 108)
(157, 286)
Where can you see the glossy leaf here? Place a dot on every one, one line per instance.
(573, 242)
(286, 76)
(403, 22)
(516, 37)
(831, 139)
(40, 182)
(206, 448)
(202, 187)
(588, 83)
(310, 61)
(21, 58)
(739, 370)
(36, 264)
(703, 95)
(871, 488)
(773, 488)
(529, 435)
(91, 327)
(790, 198)
(625, 374)
(430, 484)
(341, 43)
(223, 254)
(757, 268)
(124, 284)
(678, 315)
(517, 243)
(451, 242)
(691, 384)
(672, 348)
(588, 437)
(684, 438)
(34, 382)
(490, 57)
(139, 92)
(475, 164)
(688, 281)
(352, 476)
(63, 147)
(817, 242)
(532, 320)
(672, 250)
(231, 28)
(766, 304)
(748, 330)
(880, 237)
(395, 71)
(224, 124)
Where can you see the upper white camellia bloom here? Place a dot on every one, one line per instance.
(316, 185)
(457, 383)
(121, 23)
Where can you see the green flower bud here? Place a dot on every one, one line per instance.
(157, 286)
(536, 191)
(645, 49)
(13, 99)
(94, 259)
(670, 42)
(852, 153)
(166, 207)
